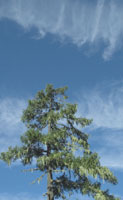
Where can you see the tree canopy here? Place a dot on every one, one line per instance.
(55, 139)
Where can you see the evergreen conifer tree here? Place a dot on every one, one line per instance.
(54, 136)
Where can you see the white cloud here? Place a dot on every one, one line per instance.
(109, 145)
(21, 196)
(10, 113)
(82, 22)
(10, 121)
(105, 106)
(111, 159)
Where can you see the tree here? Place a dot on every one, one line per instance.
(54, 137)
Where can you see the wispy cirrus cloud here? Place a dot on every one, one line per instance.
(10, 121)
(21, 196)
(82, 22)
(109, 145)
(24, 196)
(104, 105)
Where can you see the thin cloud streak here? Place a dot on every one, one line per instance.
(112, 159)
(81, 22)
(105, 106)
(10, 114)
(21, 196)
(111, 142)
(11, 126)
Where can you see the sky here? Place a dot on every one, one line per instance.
(62, 42)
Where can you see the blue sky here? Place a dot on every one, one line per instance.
(74, 43)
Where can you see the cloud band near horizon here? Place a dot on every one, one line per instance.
(81, 22)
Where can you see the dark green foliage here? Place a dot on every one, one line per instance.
(53, 137)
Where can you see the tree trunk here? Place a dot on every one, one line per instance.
(50, 195)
